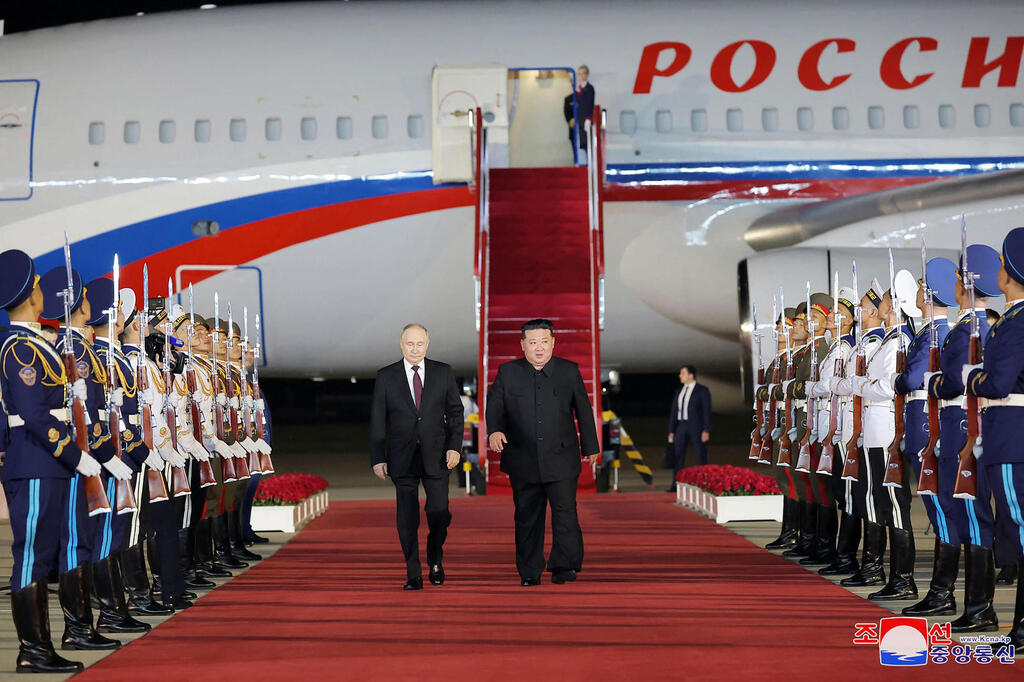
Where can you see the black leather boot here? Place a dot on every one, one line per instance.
(808, 531)
(74, 601)
(824, 550)
(238, 547)
(186, 550)
(790, 522)
(205, 566)
(140, 598)
(1007, 575)
(845, 561)
(902, 554)
(114, 616)
(940, 599)
(871, 571)
(222, 555)
(979, 614)
(1017, 630)
(32, 621)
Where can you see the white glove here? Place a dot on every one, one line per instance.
(88, 466)
(247, 403)
(79, 389)
(785, 385)
(222, 399)
(199, 452)
(260, 405)
(118, 469)
(966, 370)
(238, 450)
(928, 378)
(263, 446)
(154, 462)
(248, 446)
(119, 396)
(233, 403)
(171, 456)
(222, 448)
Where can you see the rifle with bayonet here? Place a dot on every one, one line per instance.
(758, 432)
(852, 463)
(894, 461)
(928, 480)
(803, 460)
(124, 498)
(266, 463)
(206, 475)
(253, 463)
(828, 446)
(765, 456)
(967, 473)
(155, 484)
(785, 442)
(95, 496)
(227, 463)
(241, 468)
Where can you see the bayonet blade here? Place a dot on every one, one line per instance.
(191, 307)
(245, 326)
(117, 289)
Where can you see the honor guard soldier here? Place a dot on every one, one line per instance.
(41, 457)
(971, 521)
(233, 503)
(1000, 382)
(110, 532)
(75, 574)
(791, 508)
(873, 311)
(936, 295)
(818, 525)
(834, 429)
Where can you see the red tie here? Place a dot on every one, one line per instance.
(417, 385)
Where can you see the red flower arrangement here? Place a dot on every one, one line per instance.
(723, 479)
(287, 489)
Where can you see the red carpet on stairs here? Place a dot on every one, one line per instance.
(664, 595)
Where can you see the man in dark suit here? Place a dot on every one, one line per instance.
(416, 436)
(533, 409)
(689, 420)
(580, 101)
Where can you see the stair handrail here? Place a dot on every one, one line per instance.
(595, 186)
(482, 177)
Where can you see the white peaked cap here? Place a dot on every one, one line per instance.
(849, 294)
(127, 297)
(876, 287)
(906, 289)
(177, 310)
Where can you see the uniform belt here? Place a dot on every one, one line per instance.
(1012, 400)
(799, 404)
(14, 421)
(102, 413)
(133, 419)
(878, 403)
(956, 402)
(917, 395)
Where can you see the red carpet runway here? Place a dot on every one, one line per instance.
(664, 595)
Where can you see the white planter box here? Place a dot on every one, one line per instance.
(723, 509)
(289, 518)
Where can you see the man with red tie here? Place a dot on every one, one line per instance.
(416, 437)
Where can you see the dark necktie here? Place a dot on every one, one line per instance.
(417, 385)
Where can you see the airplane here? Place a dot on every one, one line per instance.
(283, 155)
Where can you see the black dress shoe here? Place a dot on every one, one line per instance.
(256, 540)
(196, 582)
(118, 623)
(437, 574)
(562, 577)
(178, 603)
(414, 583)
(211, 570)
(148, 607)
(530, 582)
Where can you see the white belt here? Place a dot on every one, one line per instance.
(878, 403)
(133, 419)
(917, 395)
(102, 413)
(956, 402)
(1012, 400)
(799, 404)
(14, 421)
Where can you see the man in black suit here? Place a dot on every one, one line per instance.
(416, 436)
(533, 409)
(581, 101)
(689, 420)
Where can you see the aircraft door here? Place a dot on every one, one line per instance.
(457, 90)
(17, 124)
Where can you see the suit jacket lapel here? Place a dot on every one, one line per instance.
(403, 385)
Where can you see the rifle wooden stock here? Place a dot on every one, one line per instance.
(828, 447)
(266, 464)
(155, 485)
(928, 481)
(967, 473)
(765, 456)
(95, 496)
(253, 459)
(755, 435)
(237, 465)
(894, 461)
(227, 464)
(785, 442)
(852, 464)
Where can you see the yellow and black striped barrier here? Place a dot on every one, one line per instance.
(629, 449)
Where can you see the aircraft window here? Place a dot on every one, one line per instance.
(627, 121)
(343, 127)
(734, 120)
(97, 132)
(840, 118)
(805, 118)
(770, 119)
(414, 126)
(236, 130)
(911, 116)
(131, 132)
(307, 127)
(1017, 115)
(947, 116)
(272, 129)
(663, 121)
(699, 120)
(982, 116)
(166, 132)
(202, 130)
(876, 118)
(379, 127)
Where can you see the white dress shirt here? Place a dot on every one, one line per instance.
(683, 404)
(409, 375)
